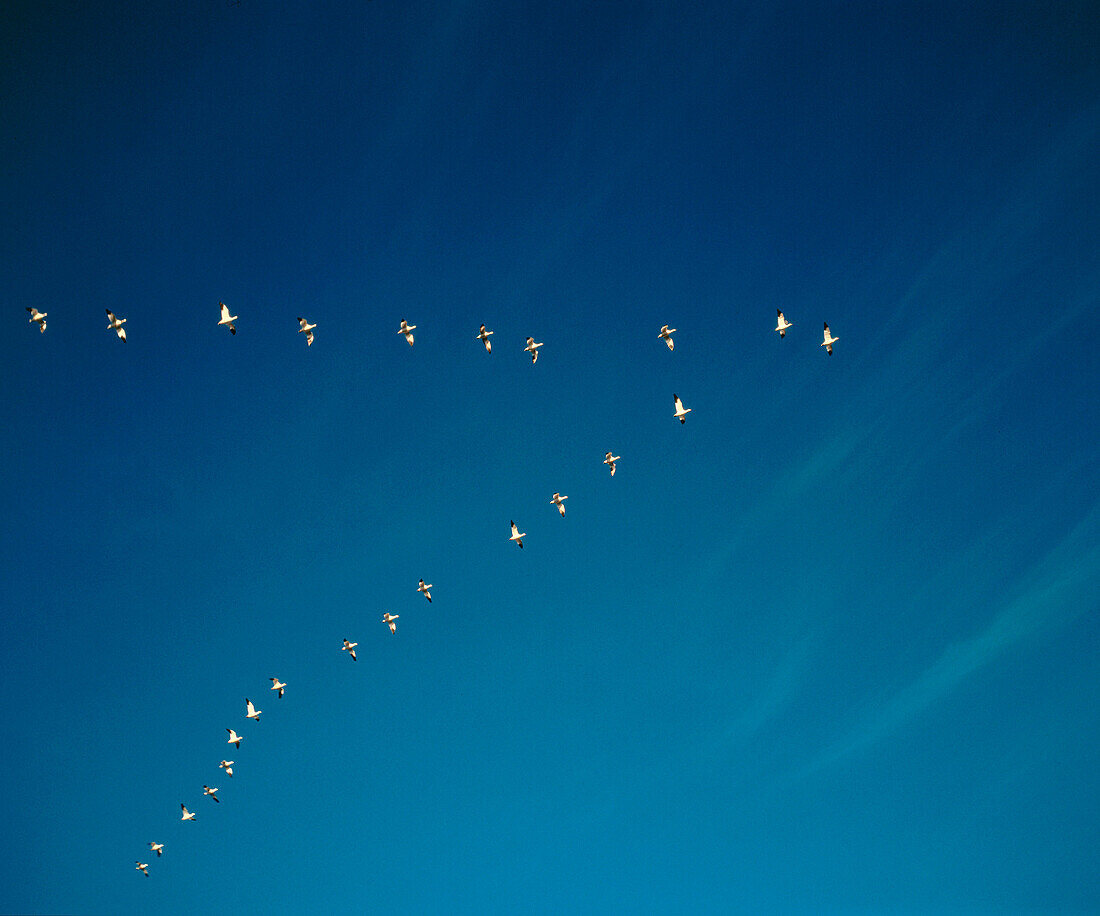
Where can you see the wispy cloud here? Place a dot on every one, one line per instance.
(1057, 590)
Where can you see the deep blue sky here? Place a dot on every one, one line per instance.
(831, 646)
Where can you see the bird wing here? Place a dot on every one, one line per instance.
(679, 404)
(251, 708)
(224, 311)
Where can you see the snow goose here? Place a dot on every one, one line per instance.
(517, 535)
(610, 460)
(212, 792)
(533, 349)
(142, 867)
(38, 316)
(116, 325)
(276, 684)
(306, 328)
(252, 712)
(407, 330)
(234, 738)
(350, 647)
(389, 618)
(829, 340)
(187, 815)
(558, 500)
(227, 765)
(425, 590)
(681, 412)
(483, 336)
(781, 323)
(666, 335)
(158, 848)
(227, 319)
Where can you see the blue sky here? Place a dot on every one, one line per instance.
(830, 646)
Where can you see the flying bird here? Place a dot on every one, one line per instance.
(116, 325)
(350, 647)
(390, 618)
(558, 500)
(187, 815)
(610, 460)
(207, 790)
(681, 413)
(227, 319)
(234, 738)
(517, 535)
(158, 848)
(425, 590)
(781, 324)
(829, 340)
(252, 712)
(407, 330)
(666, 335)
(227, 765)
(533, 349)
(38, 316)
(307, 329)
(483, 336)
(142, 867)
(276, 684)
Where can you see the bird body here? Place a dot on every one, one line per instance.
(533, 349)
(517, 535)
(306, 328)
(558, 500)
(681, 411)
(158, 848)
(142, 867)
(407, 330)
(187, 815)
(350, 647)
(276, 684)
(227, 765)
(234, 738)
(610, 460)
(116, 325)
(226, 318)
(390, 619)
(425, 590)
(829, 340)
(212, 792)
(781, 323)
(251, 712)
(483, 336)
(38, 316)
(666, 335)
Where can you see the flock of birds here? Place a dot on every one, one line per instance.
(405, 329)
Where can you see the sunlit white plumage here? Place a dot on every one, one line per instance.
(234, 738)
(829, 340)
(252, 712)
(610, 460)
(187, 815)
(306, 328)
(350, 647)
(517, 535)
(212, 792)
(781, 323)
(38, 316)
(533, 349)
(425, 590)
(116, 325)
(558, 500)
(227, 765)
(483, 336)
(391, 619)
(226, 318)
(142, 867)
(666, 335)
(681, 411)
(407, 330)
(158, 848)
(276, 684)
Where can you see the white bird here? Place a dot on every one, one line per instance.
(276, 684)
(227, 765)
(483, 336)
(227, 319)
(307, 329)
(407, 330)
(610, 460)
(252, 712)
(533, 349)
(517, 535)
(187, 815)
(38, 316)
(234, 738)
(207, 790)
(350, 647)
(681, 413)
(158, 848)
(425, 590)
(557, 499)
(142, 867)
(829, 340)
(781, 324)
(666, 335)
(390, 618)
(116, 325)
